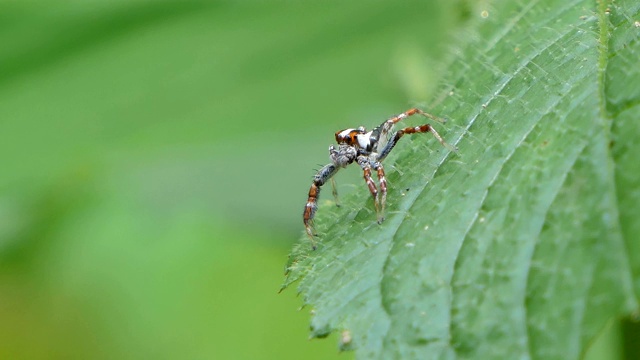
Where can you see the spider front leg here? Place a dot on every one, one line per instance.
(312, 201)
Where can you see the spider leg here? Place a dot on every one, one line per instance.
(334, 190)
(310, 208)
(366, 168)
(413, 130)
(414, 111)
(382, 196)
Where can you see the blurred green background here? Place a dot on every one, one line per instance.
(156, 157)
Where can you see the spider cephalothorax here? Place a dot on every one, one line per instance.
(367, 149)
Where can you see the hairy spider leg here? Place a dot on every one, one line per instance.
(412, 130)
(334, 190)
(414, 111)
(382, 196)
(310, 208)
(366, 169)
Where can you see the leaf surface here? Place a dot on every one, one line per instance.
(521, 245)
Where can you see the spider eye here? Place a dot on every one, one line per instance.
(340, 137)
(347, 136)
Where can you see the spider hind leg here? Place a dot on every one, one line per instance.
(414, 111)
(413, 130)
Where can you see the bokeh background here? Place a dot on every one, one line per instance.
(155, 158)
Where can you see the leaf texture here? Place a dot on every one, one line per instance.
(521, 245)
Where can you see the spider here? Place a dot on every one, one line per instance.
(367, 149)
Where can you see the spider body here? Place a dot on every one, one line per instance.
(368, 149)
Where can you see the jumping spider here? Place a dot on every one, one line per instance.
(368, 149)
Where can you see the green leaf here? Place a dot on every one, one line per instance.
(524, 243)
